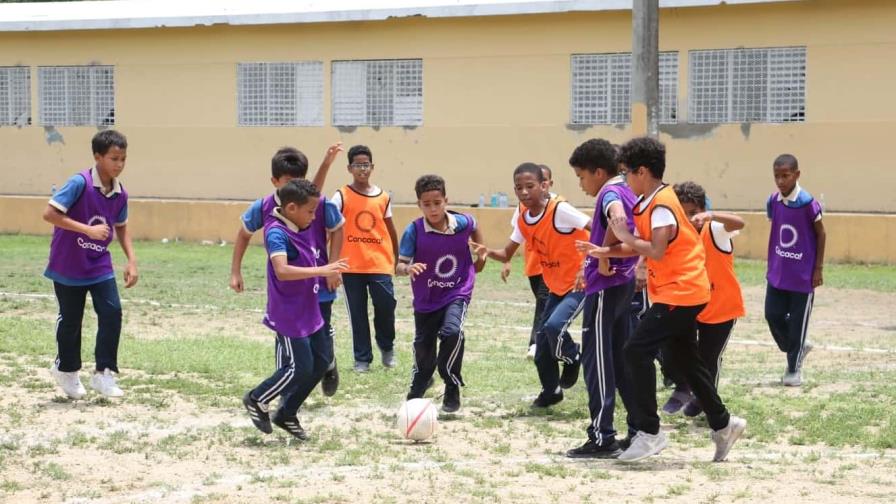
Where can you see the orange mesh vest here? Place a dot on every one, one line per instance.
(679, 278)
(727, 302)
(366, 243)
(531, 264)
(555, 251)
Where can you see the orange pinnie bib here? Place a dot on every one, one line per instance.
(366, 243)
(679, 278)
(726, 302)
(555, 251)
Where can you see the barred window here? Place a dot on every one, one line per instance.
(15, 96)
(280, 94)
(378, 93)
(602, 88)
(747, 85)
(76, 95)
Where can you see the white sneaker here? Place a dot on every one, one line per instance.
(644, 445)
(794, 379)
(531, 353)
(725, 438)
(104, 383)
(68, 382)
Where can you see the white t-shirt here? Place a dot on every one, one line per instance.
(373, 191)
(721, 236)
(566, 219)
(661, 216)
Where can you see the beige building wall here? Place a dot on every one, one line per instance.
(850, 237)
(496, 93)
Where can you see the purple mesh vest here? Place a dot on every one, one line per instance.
(74, 255)
(791, 245)
(450, 272)
(314, 236)
(292, 308)
(625, 266)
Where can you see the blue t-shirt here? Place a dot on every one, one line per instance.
(253, 220)
(408, 244)
(62, 200)
(609, 197)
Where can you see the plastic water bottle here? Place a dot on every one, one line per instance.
(502, 200)
(494, 202)
(53, 190)
(481, 200)
(821, 201)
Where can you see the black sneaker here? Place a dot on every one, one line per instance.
(290, 425)
(593, 450)
(451, 401)
(260, 417)
(546, 399)
(330, 382)
(570, 374)
(624, 443)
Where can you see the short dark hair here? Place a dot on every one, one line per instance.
(644, 151)
(593, 154)
(691, 192)
(548, 169)
(787, 160)
(106, 139)
(298, 191)
(358, 150)
(532, 168)
(289, 161)
(428, 183)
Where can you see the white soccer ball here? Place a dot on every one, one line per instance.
(417, 420)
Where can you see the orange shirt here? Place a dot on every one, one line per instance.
(727, 302)
(555, 250)
(367, 244)
(679, 278)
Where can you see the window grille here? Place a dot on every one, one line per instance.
(280, 94)
(15, 96)
(378, 93)
(77, 95)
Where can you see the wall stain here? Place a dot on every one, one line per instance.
(687, 130)
(745, 129)
(53, 135)
(347, 129)
(578, 127)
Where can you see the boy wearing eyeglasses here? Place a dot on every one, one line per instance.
(371, 246)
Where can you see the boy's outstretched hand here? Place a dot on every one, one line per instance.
(334, 268)
(415, 269)
(332, 152)
(479, 249)
(586, 247)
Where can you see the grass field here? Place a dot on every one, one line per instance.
(191, 347)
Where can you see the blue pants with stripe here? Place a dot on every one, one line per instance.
(445, 325)
(301, 363)
(605, 329)
(553, 342)
(787, 314)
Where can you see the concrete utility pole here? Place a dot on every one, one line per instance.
(645, 67)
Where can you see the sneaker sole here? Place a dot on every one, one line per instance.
(595, 455)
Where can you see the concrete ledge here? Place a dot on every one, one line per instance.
(863, 238)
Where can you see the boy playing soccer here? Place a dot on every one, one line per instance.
(532, 269)
(678, 288)
(87, 212)
(795, 262)
(289, 163)
(303, 350)
(551, 227)
(608, 289)
(371, 246)
(435, 254)
(726, 303)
